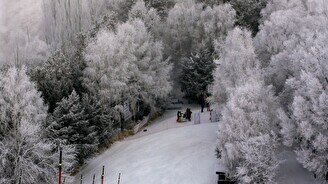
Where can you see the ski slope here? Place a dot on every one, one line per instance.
(179, 154)
(176, 153)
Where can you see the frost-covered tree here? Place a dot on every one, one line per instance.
(216, 22)
(291, 46)
(24, 153)
(289, 23)
(162, 6)
(248, 11)
(62, 19)
(69, 124)
(149, 16)
(197, 73)
(191, 27)
(121, 8)
(237, 60)
(247, 138)
(310, 113)
(131, 68)
(259, 162)
(150, 80)
(20, 34)
(249, 124)
(306, 126)
(183, 33)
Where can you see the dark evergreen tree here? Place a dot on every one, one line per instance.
(197, 73)
(61, 73)
(162, 6)
(98, 116)
(249, 13)
(70, 125)
(54, 79)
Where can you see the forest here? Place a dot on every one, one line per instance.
(68, 66)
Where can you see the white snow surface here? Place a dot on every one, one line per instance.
(290, 171)
(168, 153)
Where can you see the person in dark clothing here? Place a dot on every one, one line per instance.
(202, 102)
(188, 114)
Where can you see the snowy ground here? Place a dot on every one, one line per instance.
(291, 171)
(175, 153)
(166, 154)
(168, 121)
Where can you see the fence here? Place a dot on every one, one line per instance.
(140, 124)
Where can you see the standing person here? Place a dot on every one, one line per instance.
(188, 114)
(202, 102)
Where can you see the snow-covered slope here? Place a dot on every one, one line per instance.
(290, 171)
(176, 153)
(183, 155)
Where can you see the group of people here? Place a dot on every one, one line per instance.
(186, 115)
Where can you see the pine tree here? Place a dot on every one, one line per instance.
(69, 124)
(99, 116)
(249, 13)
(197, 73)
(62, 72)
(54, 79)
(23, 151)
